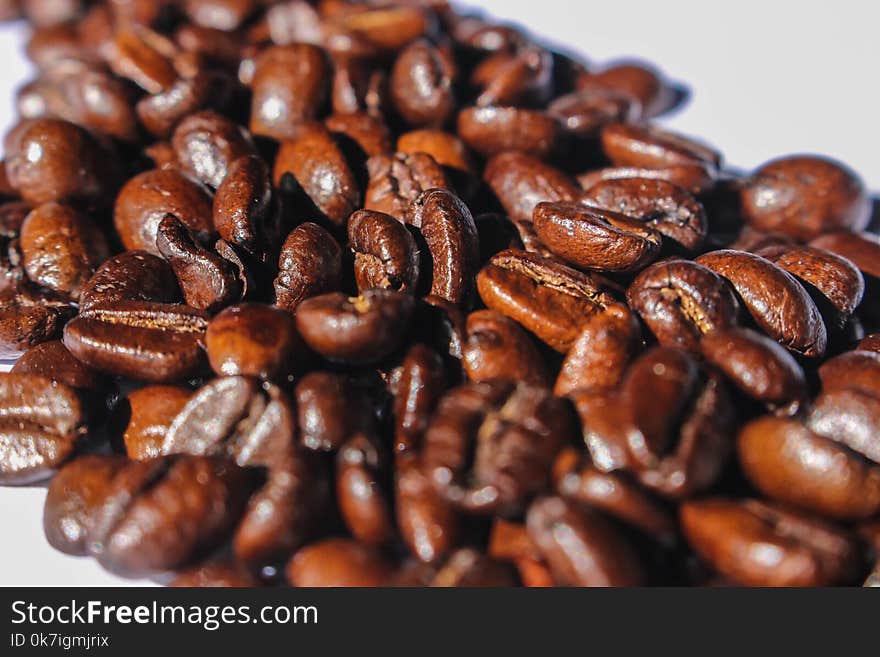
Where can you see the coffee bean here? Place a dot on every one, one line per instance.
(338, 562)
(648, 147)
(468, 567)
(492, 130)
(521, 182)
(41, 424)
(428, 524)
(225, 15)
(696, 178)
(363, 501)
(498, 348)
(53, 361)
(397, 180)
(858, 370)
(385, 253)
(206, 145)
(870, 343)
(150, 412)
(421, 84)
(329, 412)
(420, 386)
(243, 211)
(524, 77)
(734, 536)
(145, 57)
(774, 299)
(310, 265)
(862, 249)
(160, 113)
(447, 149)
(130, 276)
(27, 321)
(215, 574)
(584, 113)
(851, 417)
(369, 132)
(637, 81)
(804, 197)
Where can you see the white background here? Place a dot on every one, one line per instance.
(767, 78)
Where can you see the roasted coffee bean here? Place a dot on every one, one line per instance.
(524, 77)
(146, 341)
(757, 544)
(498, 348)
(397, 180)
(850, 416)
(580, 547)
(680, 301)
(696, 178)
(668, 209)
(322, 171)
(420, 385)
(329, 411)
(447, 227)
(310, 265)
(521, 182)
(789, 463)
(243, 209)
(61, 248)
(145, 57)
(862, 249)
(421, 84)
(600, 355)
(468, 567)
(835, 277)
(54, 160)
(206, 145)
(804, 197)
(870, 343)
(385, 253)
(647, 147)
(584, 113)
(363, 500)
(758, 366)
(148, 197)
(490, 445)
(447, 149)
(547, 298)
(362, 329)
(160, 113)
(74, 496)
(669, 424)
(338, 562)
(225, 15)
(774, 299)
(28, 320)
(596, 239)
(369, 132)
(150, 411)
(636, 80)
(215, 574)
(428, 524)
(130, 276)
(253, 339)
(41, 422)
(493, 130)
(53, 361)
(858, 370)
(289, 85)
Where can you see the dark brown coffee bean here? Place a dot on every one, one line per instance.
(322, 171)
(208, 282)
(254, 340)
(146, 341)
(804, 197)
(290, 85)
(367, 131)
(601, 353)
(363, 501)
(387, 29)
(145, 57)
(447, 149)
(680, 301)
(862, 249)
(859, 370)
(521, 182)
(580, 547)
(447, 227)
(523, 77)
(329, 411)
(547, 298)
(61, 248)
(498, 348)
(130, 276)
(160, 113)
(758, 366)
(206, 145)
(774, 299)
(638, 81)
(215, 574)
(419, 387)
(584, 113)
(338, 562)
(647, 147)
(491, 445)
(596, 239)
(151, 410)
(467, 567)
(243, 210)
(668, 209)
(53, 361)
(73, 497)
(835, 277)
(225, 15)
(428, 524)
(171, 511)
(696, 178)
(310, 265)
(385, 253)
(421, 84)
(493, 130)
(397, 180)
(870, 343)
(148, 197)
(40, 425)
(789, 463)
(27, 320)
(54, 160)
(850, 416)
(756, 544)
(363, 329)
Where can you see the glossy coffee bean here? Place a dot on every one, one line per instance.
(363, 500)
(862, 249)
(160, 113)
(215, 574)
(789, 463)
(362, 329)
(596, 239)
(397, 180)
(150, 411)
(253, 340)
(858, 370)
(206, 145)
(647, 147)
(680, 301)
(40, 425)
(385, 253)
(547, 298)
(53, 361)
(369, 132)
(774, 299)
(225, 15)
(498, 348)
(143, 56)
(468, 567)
(338, 562)
(850, 416)
(310, 264)
(520, 182)
(243, 212)
(148, 197)
(493, 130)
(419, 387)
(421, 84)
(870, 343)
(696, 178)
(428, 524)
(520, 78)
(636, 80)
(804, 197)
(329, 412)
(27, 321)
(756, 544)
(130, 276)
(446, 148)
(584, 113)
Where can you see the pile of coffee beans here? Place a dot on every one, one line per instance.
(342, 293)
